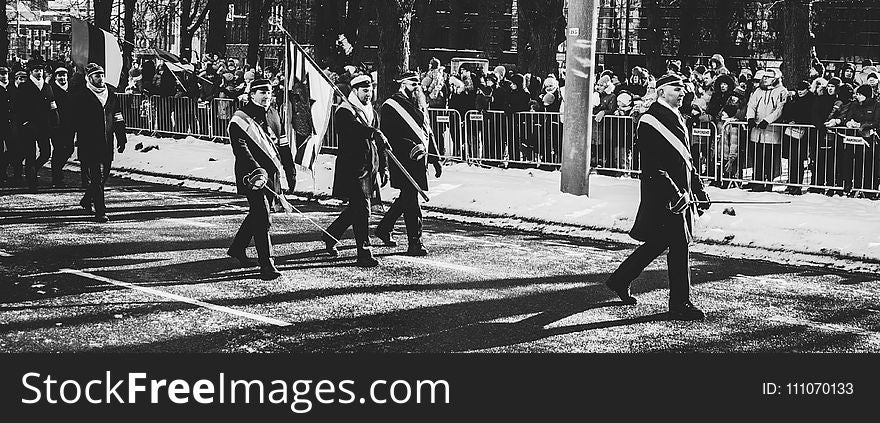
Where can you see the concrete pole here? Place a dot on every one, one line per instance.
(579, 80)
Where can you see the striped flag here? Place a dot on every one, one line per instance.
(309, 102)
(90, 44)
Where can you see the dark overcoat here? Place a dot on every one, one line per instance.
(95, 125)
(665, 173)
(402, 139)
(358, 159)
(35, 108)
(248, 154)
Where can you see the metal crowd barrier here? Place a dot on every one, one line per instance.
(526, 137)
(839, 158)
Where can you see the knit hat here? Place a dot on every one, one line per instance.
(673, 65)
(640, 72)
(93, 68)
(803, 85)
(759, 74)
(518, 80)
(717, 58)
(866, 91)
(835, 81)
(700, 69)
(35, 64)
(867, 62)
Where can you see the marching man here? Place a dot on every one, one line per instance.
(671, 192)
(360, 160)
(97, 117)
(253, 130)
(403, 119)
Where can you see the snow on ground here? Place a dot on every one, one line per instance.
(812, 223)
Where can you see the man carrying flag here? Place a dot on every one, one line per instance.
(360, 159)
(670, 189)
(403, 119)
(96, 114)
(258, 173)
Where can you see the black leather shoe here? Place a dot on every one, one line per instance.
(102, 218)
(385, 237)
(268, 271)
(686, 311)
(85, 205)
(365, 259)
(621, 291)
(330, 245)
(416, 248)
(242, 258)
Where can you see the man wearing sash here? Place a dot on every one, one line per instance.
(258, 175)
(403, 119)
(359, 164)
(670, 192)
(96, 116)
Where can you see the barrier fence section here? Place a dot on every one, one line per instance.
(839, 159)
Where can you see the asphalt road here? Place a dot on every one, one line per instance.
(156, 279)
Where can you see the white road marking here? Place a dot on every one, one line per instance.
(180, 298)
(4, 254)
(434, 263)
(874, 337)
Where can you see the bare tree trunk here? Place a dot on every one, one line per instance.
(367, 10)
(395, 17)
(128, 47)
(654, 60)
(523, 35)
(546, 30)
(327, 21)
(4, 41)
(796, 42)
(216, 39)
(688, 36)
(186, 37)
(102, 13)
(257, 11)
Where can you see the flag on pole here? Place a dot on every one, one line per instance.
(309, 102)
(90, 44)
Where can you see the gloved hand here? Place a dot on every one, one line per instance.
(763, 124)
(417, 153)
(383, 177)
(679, 204)
(438, 170)
(257, 179)
(703, 196)
(752, 123)
(120, 148)
(381, 140)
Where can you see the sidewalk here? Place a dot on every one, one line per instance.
(839, 229)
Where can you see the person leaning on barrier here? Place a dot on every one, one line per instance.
(402, 119)
(765, 108)
(822, 151)
(360, 165)
(96, 114)
(863, 116)
(37, 116)
(258, 173)
(670, 188)
(797, 111)
(62, 136)
(843, 154)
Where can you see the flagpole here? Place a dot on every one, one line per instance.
(363, 121)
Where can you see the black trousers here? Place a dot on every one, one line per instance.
(406, 204)
(286, 156)
(677, 262)
(767, 161)
(797, 153)
(62, 149)
(356, 215)
(97, 172)
(33, 138)
(255, 226)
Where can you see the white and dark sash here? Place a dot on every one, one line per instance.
(416, 128)
(260, 138)
(673, 140)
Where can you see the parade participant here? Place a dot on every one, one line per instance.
(96, 113)
(360, 159)
(37, 115)
(669, 188)
(258, 170)
(62, 136)
(403, 119)
(5, 146)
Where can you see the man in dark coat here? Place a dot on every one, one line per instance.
(358, 163)
(97, 119)
(670, 189)
(5, 105)
(258, 173)
(37, 115)
(62, 136)
(403, 121)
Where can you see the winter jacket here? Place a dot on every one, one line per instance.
(767, 105)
